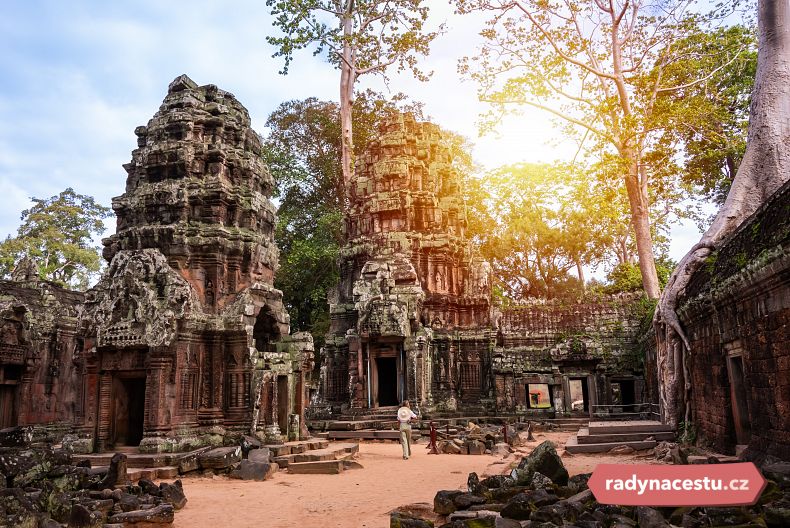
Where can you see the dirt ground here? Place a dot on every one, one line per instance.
(358, 497)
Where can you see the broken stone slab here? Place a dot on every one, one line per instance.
(16, 436)
(117, 473)
(82, 517)
(220, 457)
(162, 514)
(544, 459)
(173, 493)
(260, 455)
(190, 461)
(501, 449)
(249, 470)
(475, 447)
(404, 520)
(443, 501)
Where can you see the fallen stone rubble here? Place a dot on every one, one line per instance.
(477, 439)
(40, 488)
(538, 493)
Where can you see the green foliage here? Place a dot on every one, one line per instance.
(687, 433)
(56, 234)
(625, 277)
(634, 83)
(709, 119)
(303, 155)
(533, 224)
(378, 33)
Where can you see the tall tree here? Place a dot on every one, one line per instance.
(764, 169)
(598, 67)
(57, 235)
(359, 38)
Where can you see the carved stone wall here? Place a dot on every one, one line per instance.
(40, 380)
(736, 311)
(413, 290)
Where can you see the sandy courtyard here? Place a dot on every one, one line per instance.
(355, 498)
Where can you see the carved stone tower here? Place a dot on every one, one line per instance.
(409, 276)
(185, 337)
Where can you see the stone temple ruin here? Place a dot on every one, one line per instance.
(412, 316)
(184, 340)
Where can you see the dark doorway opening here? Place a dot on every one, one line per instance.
(128, 410)
(282, 403)
(738, 397)
(628, 394)
(579, 394)
(387, 371)
(7, 406)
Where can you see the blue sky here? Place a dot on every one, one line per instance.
(78, 76)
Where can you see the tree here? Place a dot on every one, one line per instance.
(597, 66)
(709, 120)
(536, 230)
(764, 169)
(359, 38)
(56, 235)
(302, 151)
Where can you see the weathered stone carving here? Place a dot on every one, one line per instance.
(184, 339)
(412, 317)
(139, 301)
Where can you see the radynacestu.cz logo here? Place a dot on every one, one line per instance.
(657, 485)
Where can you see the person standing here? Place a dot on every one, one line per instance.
(405, 416)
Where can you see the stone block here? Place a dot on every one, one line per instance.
(220, 457)
(249, 470)
(162, 514)
(260, 455)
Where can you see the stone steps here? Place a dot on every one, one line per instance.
(134, 460)
(333, 452)
(630, 426)
(329, 467)
(572, 446)
(366, 434)
(299, 446)
(584, 437)
(601, 437)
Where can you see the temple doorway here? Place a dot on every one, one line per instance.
(7, 406)
(738, 399)
(387, 370)
(128, 409)
(386, 380)
(579, 394)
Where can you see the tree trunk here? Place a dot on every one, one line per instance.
(347, 79)
(765, 167)
(580, 272)
(640, 220)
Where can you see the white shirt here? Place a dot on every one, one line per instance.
(405, 414)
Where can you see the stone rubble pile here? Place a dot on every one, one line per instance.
(477, 439)
(538, 493)
(40, 488)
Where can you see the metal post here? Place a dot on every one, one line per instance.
(434, 449)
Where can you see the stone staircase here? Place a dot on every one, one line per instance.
(142, 465)
(601, 437)
(315, 455)
(380, 424)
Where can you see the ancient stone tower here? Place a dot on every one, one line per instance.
(409, 277)
(184, 336)
(412, 316)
